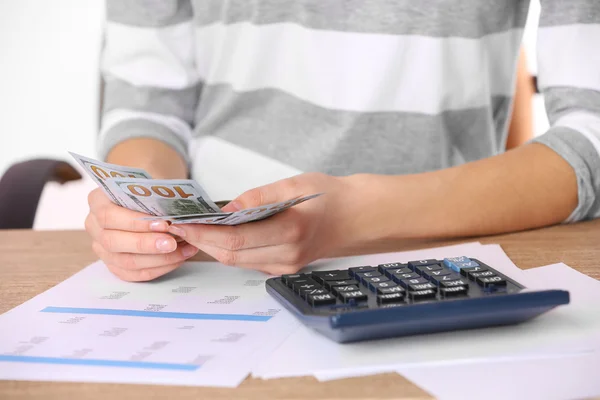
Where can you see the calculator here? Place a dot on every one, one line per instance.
(417, 297)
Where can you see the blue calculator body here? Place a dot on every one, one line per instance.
(417, 297)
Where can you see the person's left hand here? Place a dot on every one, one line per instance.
(285, 242)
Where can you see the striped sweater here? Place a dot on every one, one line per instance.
(351, 86)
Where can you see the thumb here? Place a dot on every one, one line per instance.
(260, 196)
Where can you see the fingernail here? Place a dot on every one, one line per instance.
(189, 250)
(159, 226)
(175, 230)
(166, 245)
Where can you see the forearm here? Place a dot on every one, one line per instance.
(159, 159)
(525, 188)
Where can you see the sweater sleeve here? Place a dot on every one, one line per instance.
(569, 79)
(151, 83)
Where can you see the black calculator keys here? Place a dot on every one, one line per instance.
(491, 281)
(305, 286)
(296, 283)
(422, 286)
(365, 268)
(399, 277)
(397, 271)
(354, 296)
(390, 298)
(428, 268)
(465, 271)
(305, 293)
(341, 289)
(420, 263)
(320, 299)
(362, 276)
(373, 286)
(323, 276)
(415, 281)
(390, 266)
(376, 279)
(441, 272)
(444, 278)
(347, 282)
(474, 275)
(287, 279)
(422, 295)
(388, 290)
(457, 282)
(454, 291)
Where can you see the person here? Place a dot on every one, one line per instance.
(398, 112)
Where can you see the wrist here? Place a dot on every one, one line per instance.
(395, 207)
(160, 160)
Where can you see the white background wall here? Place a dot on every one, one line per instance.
(49, 56)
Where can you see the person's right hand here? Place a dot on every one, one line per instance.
(134, 250)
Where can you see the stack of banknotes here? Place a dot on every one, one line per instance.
(180, 201)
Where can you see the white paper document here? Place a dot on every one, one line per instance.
(203, 324)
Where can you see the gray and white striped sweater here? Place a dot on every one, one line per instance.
(350, 86)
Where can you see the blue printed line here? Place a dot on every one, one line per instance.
(156, 314)
(99, 363)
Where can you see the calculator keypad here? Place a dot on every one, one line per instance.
(396, 284)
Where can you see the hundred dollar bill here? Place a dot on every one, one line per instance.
(100, 171)
(238, 217)
(161, 197)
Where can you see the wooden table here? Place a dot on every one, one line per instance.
(32, 262)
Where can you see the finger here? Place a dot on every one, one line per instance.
(294, 256)
(284, 228)
(282, 190)
(142, 275)
(130, 261)
(112, 216)
(131, 242)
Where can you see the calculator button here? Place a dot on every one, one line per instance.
(304, 287)
(431, 274)
(320, 299)
(373, 286)
(414, 281)
(384, 267)
(458, 282)
(366, 268)
(456, 263)
(454, 291)
(387, 290)
(422, 294)
(356, 295)
(363, 275)
(445, 278)
(322, 276)
(287, 279)
(305, 293)
(490, 281)
(376, 279)
(422, 286)
(400, 277)
(340, 289)
(346, 282)
(474, 275)
(397, 271)
(390, 298)
(465, 271)
(294, 284)
(419, 263)
(428, 268)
